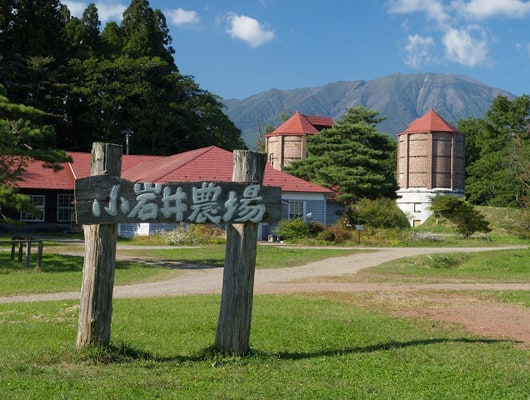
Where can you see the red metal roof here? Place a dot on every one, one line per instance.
(298, 124)
(430, 122)
(205, 164)
(320, 122)
(81, 163)
(211, 164)
(38, 177)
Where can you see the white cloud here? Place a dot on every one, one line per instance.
(432, 8)
(463, 48)
(110, 11)
(418, 51)
(481, 9)
(248, 29)
(180, 16)
(464, 43)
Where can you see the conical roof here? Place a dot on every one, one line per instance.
(298, 124)
(430, 122)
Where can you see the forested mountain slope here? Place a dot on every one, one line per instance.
(400, 98)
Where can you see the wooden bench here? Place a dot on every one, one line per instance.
(22, 242)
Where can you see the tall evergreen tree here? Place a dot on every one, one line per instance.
(33, 51)
(352, 158)
(83, 35)
(146, 32)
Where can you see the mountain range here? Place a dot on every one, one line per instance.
(400, 98)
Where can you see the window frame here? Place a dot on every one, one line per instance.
(298, 204)
(31, 217)
(67, 206)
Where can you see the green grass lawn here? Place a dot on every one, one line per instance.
(487, 266)
(322, 346)
(303, 347)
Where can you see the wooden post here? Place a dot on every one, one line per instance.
(28, 253)
(39, 254)
(20, 249)
(95, 313)
(13, 246)
(233, 328)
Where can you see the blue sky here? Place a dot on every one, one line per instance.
(236, 48)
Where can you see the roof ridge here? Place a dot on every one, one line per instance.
(168, 161)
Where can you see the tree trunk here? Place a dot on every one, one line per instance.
(233, 328)
(95, 314)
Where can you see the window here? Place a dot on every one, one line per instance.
(39, 203)
(417, 207)
(65, 208)
(296, 209)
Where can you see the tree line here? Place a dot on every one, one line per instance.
(97, 83)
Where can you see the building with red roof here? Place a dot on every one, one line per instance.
(53, 192)
(287, 143)
(431, 160)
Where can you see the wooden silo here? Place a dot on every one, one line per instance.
(287, 143)
(431, 160)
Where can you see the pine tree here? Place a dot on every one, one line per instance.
(146, 32)
(352, 158)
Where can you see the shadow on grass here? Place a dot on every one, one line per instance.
(180, 264)
(392, 345)
(123, 353)
(50, 263)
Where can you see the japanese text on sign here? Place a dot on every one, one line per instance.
(200, 205)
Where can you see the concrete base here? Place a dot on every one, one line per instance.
(416, 203)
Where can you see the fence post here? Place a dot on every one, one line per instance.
(233, 328)
(20, 249)
(39, 254)
(95, 313)
(28, 253)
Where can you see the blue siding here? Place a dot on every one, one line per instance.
(317, 209)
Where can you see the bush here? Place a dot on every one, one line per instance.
(194, 234)
(467, 220)
(379, 213)
(297, 228)
(335, 233)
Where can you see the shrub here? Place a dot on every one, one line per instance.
(193, 234)
(378, 213)
(297, 228)
(467, 220)
(335, 233)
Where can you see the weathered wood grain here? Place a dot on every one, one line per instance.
(95, 313)
(233, 328)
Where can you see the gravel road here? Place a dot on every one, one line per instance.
(200, 280)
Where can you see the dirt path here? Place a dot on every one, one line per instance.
(479, 317)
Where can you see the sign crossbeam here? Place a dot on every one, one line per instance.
(104, 199)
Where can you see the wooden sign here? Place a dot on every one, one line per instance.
(104, 199)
